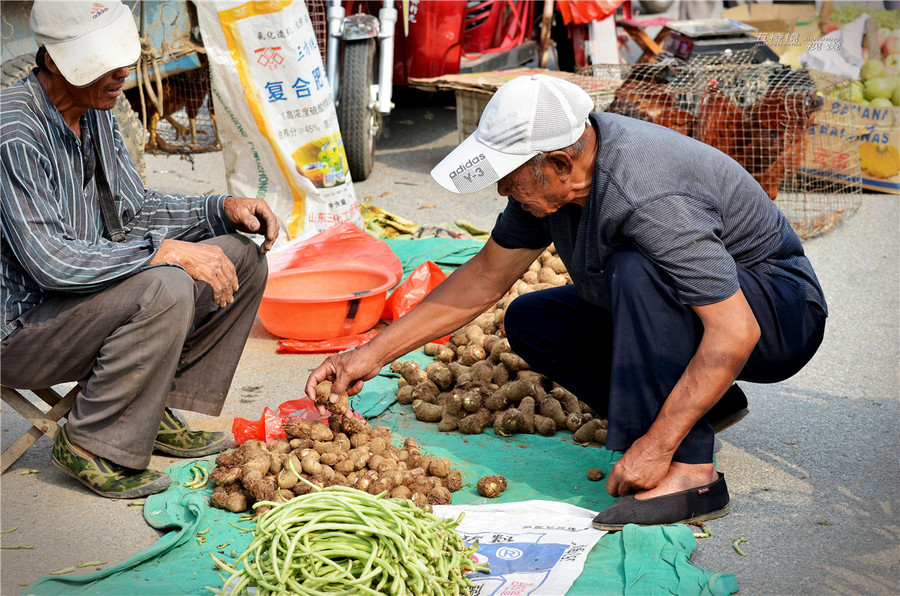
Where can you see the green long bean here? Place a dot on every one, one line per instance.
(199, 477)
(342, 540)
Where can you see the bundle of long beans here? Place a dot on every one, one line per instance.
(340, 540)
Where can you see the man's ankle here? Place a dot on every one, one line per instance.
(81, 450)
(694, 472)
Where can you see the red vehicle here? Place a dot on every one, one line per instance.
(370, 46)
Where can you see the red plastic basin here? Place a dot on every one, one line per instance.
(316, 304)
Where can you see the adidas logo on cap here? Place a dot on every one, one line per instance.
(98, 9)
(465, 167)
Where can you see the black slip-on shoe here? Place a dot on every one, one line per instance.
(688, 506)
(729, 410)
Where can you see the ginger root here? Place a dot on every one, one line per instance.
(508, 422)
(427, 412)
(595, 474)
(323, 395)
(588, 432)
(491, 486)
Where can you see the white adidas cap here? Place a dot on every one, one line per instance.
(86, 39)
(526, 116)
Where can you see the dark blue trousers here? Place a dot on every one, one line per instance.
(625, 362)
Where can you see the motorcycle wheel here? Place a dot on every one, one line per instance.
(358, 119)
(130, 127)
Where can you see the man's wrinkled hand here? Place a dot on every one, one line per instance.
(347, 371)
(203, 262)
(253, 216)
(642, 467)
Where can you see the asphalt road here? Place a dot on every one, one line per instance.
(813, 470)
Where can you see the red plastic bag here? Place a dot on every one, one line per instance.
(425, 278)
(338, 344)
(580, 12)
(271, 425)
(343, 243)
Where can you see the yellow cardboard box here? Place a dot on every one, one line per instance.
(874, 140)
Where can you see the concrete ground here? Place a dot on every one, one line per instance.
(813, 470)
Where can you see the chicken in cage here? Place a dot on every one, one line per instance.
(186, 123)
(766, 135)
(761, 115)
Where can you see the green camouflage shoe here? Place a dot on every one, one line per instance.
(103, 476)
(177, 439)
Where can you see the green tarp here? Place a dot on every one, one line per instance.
(449, 253)
(637, 560)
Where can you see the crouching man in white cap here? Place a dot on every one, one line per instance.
(686, 277)
(145, 298)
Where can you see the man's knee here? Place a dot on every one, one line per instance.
(518, 316)
(536, 320)
(251, 266)
(166, 293)
(259, 267)
(514, 312)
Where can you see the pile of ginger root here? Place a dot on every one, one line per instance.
(478, 382)
(347, 451)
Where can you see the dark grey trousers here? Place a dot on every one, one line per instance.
(625, 361)
(155, 339)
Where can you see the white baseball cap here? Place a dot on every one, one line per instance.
(86, 39)
(526, 116)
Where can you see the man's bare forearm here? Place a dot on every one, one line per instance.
(456, 301)
(465, 294)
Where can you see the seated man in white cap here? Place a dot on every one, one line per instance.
(145, 298)
(686, 277)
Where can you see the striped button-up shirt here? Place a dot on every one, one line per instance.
(54, 240)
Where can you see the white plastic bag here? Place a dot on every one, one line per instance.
(533, 547)
(275, 114)
(840, 51)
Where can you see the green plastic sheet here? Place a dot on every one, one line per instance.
(635, 561)
(448, 253)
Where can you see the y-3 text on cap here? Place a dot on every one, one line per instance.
(463, 169)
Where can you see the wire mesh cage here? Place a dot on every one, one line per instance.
(765, 116)
(178, 113)
(318, 15)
